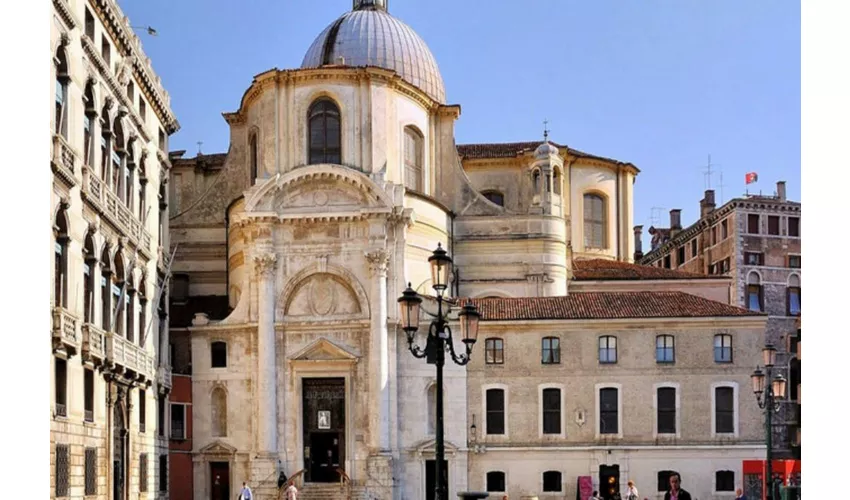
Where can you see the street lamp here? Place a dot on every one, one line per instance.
(439, 340)
(773, 393)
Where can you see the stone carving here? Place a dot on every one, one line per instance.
(378, 260)
(265, 264)
(323, 193)
(322, 294)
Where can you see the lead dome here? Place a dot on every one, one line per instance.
(369, 36)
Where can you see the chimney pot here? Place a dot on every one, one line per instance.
(675, 219)
(706, 206)
(780, 190)
(638, 244)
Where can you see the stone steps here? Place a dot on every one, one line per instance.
(328, 492)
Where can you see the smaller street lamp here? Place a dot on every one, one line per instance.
(773, 393)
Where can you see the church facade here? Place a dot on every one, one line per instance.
(341, 178)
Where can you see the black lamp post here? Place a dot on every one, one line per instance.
(439, 340)
(774, 393)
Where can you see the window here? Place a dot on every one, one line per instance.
(723, 348)
(725, 265)
(754, 258)
(607, 349)
(163, 473)
(91, 472)
(556, 181)
(87, 139)
(60, 260)
(724, 229)
(143, 302)
(253, 159)
(218, 354)
(551, 350)
(680, 255)
(63, 466)
(105, 50)
(794, 261)
(104, 149)
(495, 411)
(131, 91)
(754, 293)
(666, 410)
(664, 349)
(552, 481)
(535, 179)
(794, 227)
(495, 197)
(143, 473)
(773, 224)
(753, 223)
(178, 421)
(88, 394)
(496, 482)
(219, 412)
(61, 383)
(494, 351)
(664, 480)
(608, 411)
(160, 416)
(143, 410)
(432, 408)
(594, 221)
(667, 263)
(724, 410)
(89, 24)
(724, 480)
(694, 247)
(712, 234)
(62, 80)
(793, 295)
(143, 108)
(551, 411)
(324, 136)
(413, 160)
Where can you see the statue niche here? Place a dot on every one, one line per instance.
(322, 294)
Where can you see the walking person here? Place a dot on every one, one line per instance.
(595, 496)
(291, 491)
(246, 494)
(676, 492)
(631, 491)
(739, 495)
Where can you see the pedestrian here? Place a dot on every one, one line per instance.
(246, 494)
(739, 494)
(631, 492)
(595, 495)
(676, 492)
(291, 491)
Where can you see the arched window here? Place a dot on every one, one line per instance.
(413, 159)
(143, 307)
(63, 77)
(89, 116)
(89, 261)
(535, 178)
(218, 355)
(219, 412)
(495, 197)
(60, 268)
(129, 173)
(117, 158)
(253, 156)
(793, 295)
(594, 221)
(556, 181)
(432, 408)
(105, 282)
(131, 92)
(754, 292)
(118, 302)
(105, 138)
(324, 136)
(143, 181)
(163, 207)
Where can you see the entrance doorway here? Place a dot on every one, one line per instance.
(219, 481)
(324, 428)
(119, 451)
(609, 482)
(431, 478)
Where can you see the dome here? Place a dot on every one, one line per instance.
(370, 36)
(545, 150)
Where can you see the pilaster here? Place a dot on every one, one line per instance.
(264, 264)
(379, 365)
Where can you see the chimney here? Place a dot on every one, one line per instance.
(706, 205)
(638, 244)
(780, 190)
(676, 218)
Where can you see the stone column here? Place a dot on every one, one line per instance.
(266, 370)
(379, 363)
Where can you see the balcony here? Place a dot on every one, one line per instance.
(64, 332)
(92, 344)
(113, 209)
(63, 160)
(163, 376)
(126, 356)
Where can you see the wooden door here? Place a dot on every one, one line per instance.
(219, 481)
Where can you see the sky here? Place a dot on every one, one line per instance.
(662, 84)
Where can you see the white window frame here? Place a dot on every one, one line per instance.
(735, 407)
(185, 423)
(598, 415)
(540, 389)
(661, 385)
(484, 390)
(507, 481)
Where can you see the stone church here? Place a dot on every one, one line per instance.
(341, 178)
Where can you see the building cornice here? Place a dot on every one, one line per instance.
(716, 322)
(65, 13)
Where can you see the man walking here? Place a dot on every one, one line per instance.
(246, 494)
(676, 492)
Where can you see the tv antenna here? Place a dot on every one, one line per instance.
(707, 172)
(655, 215)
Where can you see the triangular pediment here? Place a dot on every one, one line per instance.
(324, 350)
(218, 448)
(429, 446)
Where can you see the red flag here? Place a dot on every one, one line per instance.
(752, 177)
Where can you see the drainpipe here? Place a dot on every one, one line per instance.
(619, 214)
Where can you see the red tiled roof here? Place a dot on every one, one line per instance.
(605, 305)
(602, 269)
(513, 149)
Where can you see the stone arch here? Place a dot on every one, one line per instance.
(334, 107)
(754, 278)
(793, 280)
(346, 296)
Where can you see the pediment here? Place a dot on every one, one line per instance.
(322, 294)
(429, 446)
(218, 448)
(324, 350)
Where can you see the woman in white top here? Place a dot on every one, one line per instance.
(631, 492)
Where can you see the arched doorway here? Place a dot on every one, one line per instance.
(119, 451)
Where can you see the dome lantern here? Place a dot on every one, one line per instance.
(369, 4)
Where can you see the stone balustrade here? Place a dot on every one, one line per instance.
(64, 331)
(93, 344)
(111, 207)
(122, 353)
(63, 160)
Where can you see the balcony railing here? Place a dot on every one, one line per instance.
(63, 160)
(114, 209)
(92, 343)
(64, 331)
(123, 353)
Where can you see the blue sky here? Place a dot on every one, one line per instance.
(659, 83)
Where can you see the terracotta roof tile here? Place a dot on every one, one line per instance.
(513, 149)
(605, 305)
(603, 269)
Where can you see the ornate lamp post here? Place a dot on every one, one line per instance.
(774, 393)
(438, 342)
